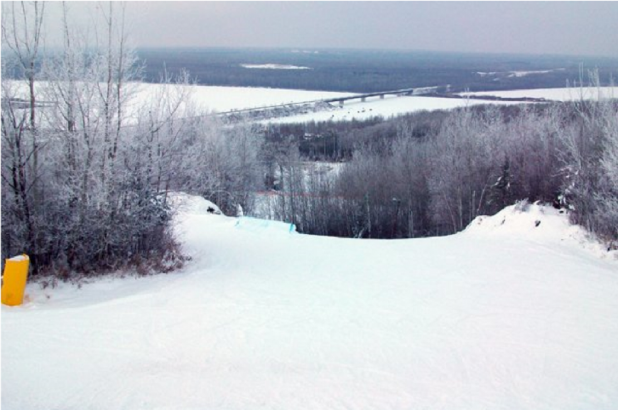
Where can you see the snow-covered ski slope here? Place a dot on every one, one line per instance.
(506, 315)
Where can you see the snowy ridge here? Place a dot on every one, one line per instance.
(532, 221)
(539, 223)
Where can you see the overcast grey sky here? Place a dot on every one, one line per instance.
(588, 28)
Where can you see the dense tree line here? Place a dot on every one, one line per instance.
(370, 70)
(433, 173)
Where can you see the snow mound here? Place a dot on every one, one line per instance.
(539, 223)
(195, 205)
(531, 220)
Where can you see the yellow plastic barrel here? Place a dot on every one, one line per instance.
(14, 280)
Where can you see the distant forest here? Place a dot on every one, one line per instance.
(369, 71)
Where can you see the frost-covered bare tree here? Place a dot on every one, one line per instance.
(588, 155)
(108, 164)
(464, 166)
(438, 171)
(384, 189)
(242, 148)
(411, 157)
(373, 189)
(18, 213)
(530, 151)
(285, 157)
(90, 83)
(221, 163)
(23, 40)
(608, 193)
(22, 24)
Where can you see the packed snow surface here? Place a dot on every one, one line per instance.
(517, 312)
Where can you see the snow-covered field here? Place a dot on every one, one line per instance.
(272, 66)
(511, 74)
(222, 99)
(210, 99)
(506, 315)
(390, 106)
(555, 94)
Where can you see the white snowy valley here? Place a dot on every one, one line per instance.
(516, 312)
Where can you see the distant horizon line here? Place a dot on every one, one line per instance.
(387, 50)
(359, 49)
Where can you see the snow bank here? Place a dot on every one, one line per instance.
(533, 221)
(539, 223)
